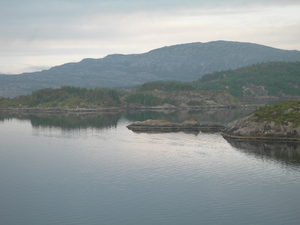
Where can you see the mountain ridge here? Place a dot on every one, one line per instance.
(182, 62)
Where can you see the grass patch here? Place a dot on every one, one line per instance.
(286, 111)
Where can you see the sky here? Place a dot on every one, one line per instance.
(39, 34)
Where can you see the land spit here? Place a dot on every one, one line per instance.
(166, 126)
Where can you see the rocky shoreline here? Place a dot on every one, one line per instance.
(245, 128)
(279, 122)
(275, 138)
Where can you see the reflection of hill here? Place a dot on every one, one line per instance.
(82, 121)
(223, 116)
(68, 121)
(285, 152)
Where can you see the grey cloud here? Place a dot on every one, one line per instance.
(32, 19)
(55, 11)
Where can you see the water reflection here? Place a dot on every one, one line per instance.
(67, 121)
(107, 120)
(285, 152)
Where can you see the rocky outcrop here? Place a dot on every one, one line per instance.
(248, 128)
(166, 126)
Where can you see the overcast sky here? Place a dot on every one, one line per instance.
(39, 34)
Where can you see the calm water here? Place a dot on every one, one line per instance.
(90, 169)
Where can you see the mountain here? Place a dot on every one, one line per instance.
(263, 81)
(185, 62)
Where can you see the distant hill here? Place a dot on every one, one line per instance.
(272, 80)
(185, 62)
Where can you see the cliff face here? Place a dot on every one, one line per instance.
(278, 122)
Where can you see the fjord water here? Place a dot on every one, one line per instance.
(90, 169)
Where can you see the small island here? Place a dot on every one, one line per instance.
(167, 126)
(279, 122)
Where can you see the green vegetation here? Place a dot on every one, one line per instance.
(15, 102)
(272, 78)
(286, 111)
(264, 79)
(177, 93)
(193, 103)
(66, 96)
(145, 94)
(144, 98)
(147, 98)
(167, 86)
(77, 97)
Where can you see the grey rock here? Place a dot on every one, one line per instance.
(246, 128)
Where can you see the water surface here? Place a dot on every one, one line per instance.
(90, 169)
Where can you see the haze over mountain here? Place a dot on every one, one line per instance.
(185, 62)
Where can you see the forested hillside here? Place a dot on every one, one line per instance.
(77, 97)
(67, 96)
(278, 79)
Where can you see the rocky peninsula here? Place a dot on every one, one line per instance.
(279, 122)
(166, 126)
